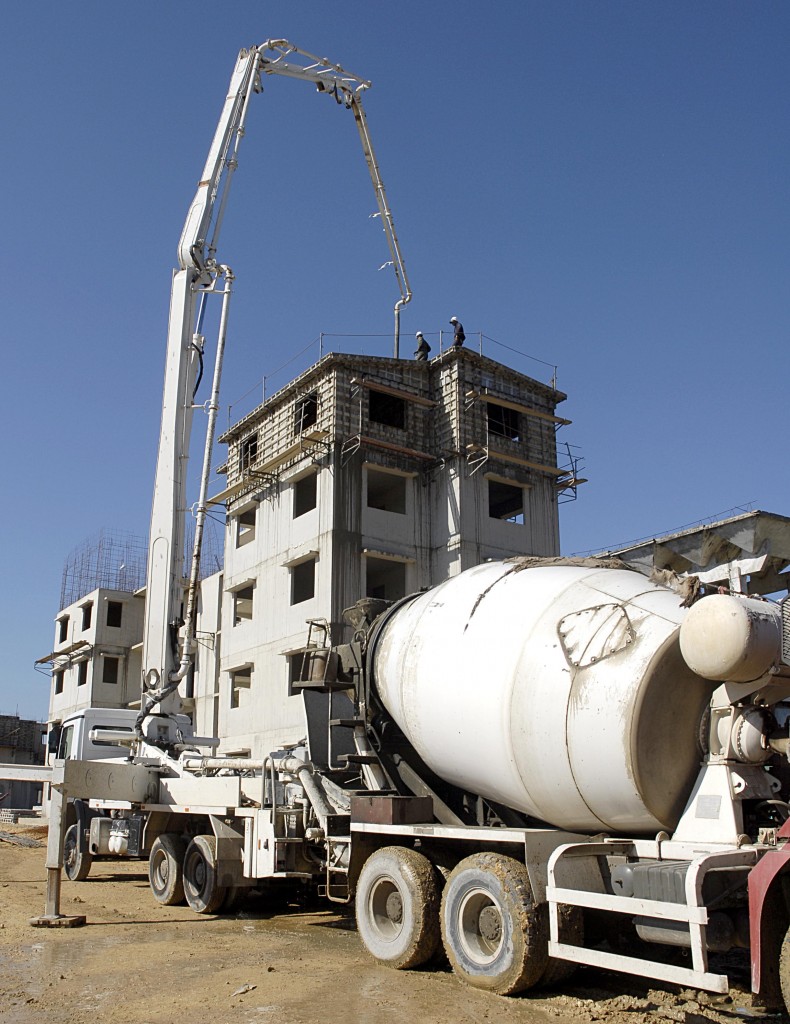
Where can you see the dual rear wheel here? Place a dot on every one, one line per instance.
(494, 935)
(179, 872)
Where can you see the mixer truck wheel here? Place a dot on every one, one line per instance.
(494, 935)
(76, 865)
(203, 892)
(397, 907)
(165, 872)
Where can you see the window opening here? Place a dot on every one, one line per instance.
(503, 422)
(388, 410)
(242, 604)
(505, 501)
(110, 670)
(87, 615)
(386, 491)
(82, 673)
(305, 492)
(306, 412)
(114, 614)
(240, 684)
(63, 629)
(59, 681)
(245, 527)
(248, 451)
(303, 581)
(385, 579)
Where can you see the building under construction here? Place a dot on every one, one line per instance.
(363, 476)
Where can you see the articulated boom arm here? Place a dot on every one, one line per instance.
(171, 602)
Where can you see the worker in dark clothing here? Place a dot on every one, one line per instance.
(458, 332)
(423, 348)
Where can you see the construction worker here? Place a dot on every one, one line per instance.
(458, 332)
(423, 348)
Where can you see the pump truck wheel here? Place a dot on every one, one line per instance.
(397, 907)
(784, 970)
(493, 933)
(165, 869)
(203, 892)
(76, 863)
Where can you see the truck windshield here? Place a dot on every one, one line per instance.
(66, 742)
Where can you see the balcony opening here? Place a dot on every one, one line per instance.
(385, 578)
(505, 501)
(386, 491)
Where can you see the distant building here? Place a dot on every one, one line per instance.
(21, 742)
(746, 553)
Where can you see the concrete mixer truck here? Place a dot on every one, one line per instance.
(534, 765)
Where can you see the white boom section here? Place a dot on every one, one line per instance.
(170, 608)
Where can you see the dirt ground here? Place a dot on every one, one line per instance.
(138, 962)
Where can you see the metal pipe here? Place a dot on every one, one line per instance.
(200, 517)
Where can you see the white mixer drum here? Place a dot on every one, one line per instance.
(557, 690)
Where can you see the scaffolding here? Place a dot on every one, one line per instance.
(116, 560)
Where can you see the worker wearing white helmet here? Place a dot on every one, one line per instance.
(423, 348)
(458, 332)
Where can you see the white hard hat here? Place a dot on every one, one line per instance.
(418, 334)
(453, 319)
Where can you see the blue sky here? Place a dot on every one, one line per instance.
(601, 185)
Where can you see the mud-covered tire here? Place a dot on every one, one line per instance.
(397, 907)
(165, 869)
(784, 970)
(203, 892)
(494, 936)
(75, 864)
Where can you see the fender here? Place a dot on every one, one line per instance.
(763, 929)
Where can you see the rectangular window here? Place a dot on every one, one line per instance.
(503, 422)
(306, 412)
(242, 604)
(388, 410)
(248, 451)
(114, 614)
(59, 681)
(240, 683)
(245, 526)
(63, 629)
(303, 581)
(82, 673)
(305, 492)
(505, 501)
(87, 615)
(385, 578)
(110, 670)
(386, 491)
